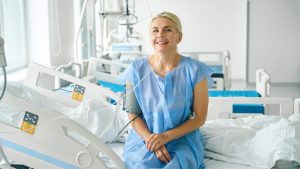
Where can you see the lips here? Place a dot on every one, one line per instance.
(161, 42)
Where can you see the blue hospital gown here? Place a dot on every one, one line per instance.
(166, 102)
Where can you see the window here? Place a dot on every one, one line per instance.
(12, 29)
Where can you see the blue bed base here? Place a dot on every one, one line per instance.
(240, 108)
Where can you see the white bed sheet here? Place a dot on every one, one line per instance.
(259, 141)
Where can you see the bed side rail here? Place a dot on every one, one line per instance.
(87, 89)
(221, 107)
(263, 83)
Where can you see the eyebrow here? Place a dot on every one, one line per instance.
(163, 27)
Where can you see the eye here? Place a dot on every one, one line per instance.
(168, 30)
(154, 30)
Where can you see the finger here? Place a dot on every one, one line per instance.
(161, 156)
(166, 154)
(156, 145)
(151, 142)
(148, 140)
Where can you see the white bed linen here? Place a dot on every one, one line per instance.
(259, 141)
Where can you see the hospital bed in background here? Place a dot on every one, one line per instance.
(262, 87)
(219, 62)
(44, 137)
(109, 80)
(106, 71)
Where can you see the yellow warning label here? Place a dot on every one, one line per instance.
(28, 128)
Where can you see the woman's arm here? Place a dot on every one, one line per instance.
(133, 109)
(200, 106)
(139, 125)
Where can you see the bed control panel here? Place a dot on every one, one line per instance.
(29, 122)
(78, 92)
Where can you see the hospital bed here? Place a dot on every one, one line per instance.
(262, 89)
(225, 138)
(46, 142)
(104, 72)
(43, 136)
(219, 62)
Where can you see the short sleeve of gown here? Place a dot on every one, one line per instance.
(202, 72)
(127, 75)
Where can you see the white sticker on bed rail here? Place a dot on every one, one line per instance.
(29, 122)
(78, 92)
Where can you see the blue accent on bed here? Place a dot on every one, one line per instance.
(240, 108)
(112, 86)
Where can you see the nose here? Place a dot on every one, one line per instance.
(160, 34)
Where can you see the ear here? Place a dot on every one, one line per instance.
(179, 37)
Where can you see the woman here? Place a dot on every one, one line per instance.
(168, 105)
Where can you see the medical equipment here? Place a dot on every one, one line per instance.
(2, 65)
(2, 54)
(219, 62)
(40, 140)
(120, 41)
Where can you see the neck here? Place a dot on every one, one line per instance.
(167, 59)
(162, 63)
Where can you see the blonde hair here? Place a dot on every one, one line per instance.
(172, 17)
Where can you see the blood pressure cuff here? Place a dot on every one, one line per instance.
(131, 103)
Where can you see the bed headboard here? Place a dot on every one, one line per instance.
(82, 90)
(263, 83)
(221, 107)
(215, 58)
(297, 105)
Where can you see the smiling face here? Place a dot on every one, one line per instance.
(164, 35)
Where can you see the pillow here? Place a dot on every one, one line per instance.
(101, 119)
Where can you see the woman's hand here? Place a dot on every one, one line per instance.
(162, 154)
(155, 141)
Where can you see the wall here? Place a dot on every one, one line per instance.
(208, 25)
(50, 42)
(38, 31)
(274, 39)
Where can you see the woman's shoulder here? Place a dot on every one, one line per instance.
(192, 63)
(139, 62)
